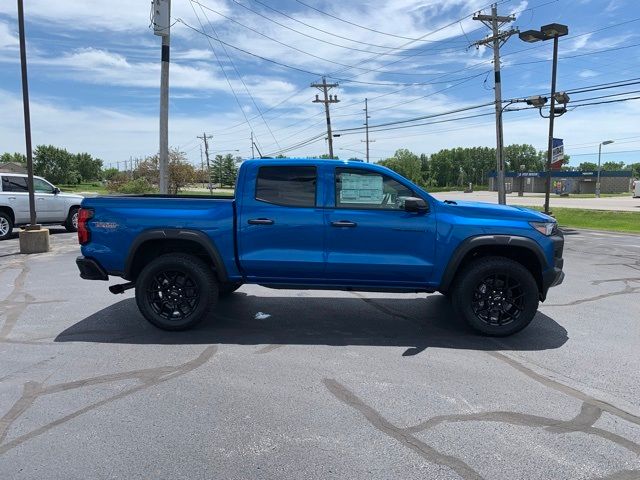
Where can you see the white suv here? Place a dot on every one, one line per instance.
(52, 206)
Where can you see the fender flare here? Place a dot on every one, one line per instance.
(494, 240)
(177, 234)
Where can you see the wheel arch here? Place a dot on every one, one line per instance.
(153, 243)
(520, 249)
(9, 211)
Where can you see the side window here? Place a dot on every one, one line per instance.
(40, 186)
(14, 184)
(288, 186)
(356, 188)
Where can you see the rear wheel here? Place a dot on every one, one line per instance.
(71, 224)
(176, 291)
(6, 226)
(496, 296)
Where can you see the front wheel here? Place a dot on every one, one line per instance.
(176, 291)
(496, 296)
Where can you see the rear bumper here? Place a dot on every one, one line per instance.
(91, 269)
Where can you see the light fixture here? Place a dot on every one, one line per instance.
(562, 97)
(537, 101)
(531, 36)
(554, 30)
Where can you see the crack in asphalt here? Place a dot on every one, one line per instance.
(11, 307)
(346, 396)
(147, 377)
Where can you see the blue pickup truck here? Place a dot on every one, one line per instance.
(321, 224)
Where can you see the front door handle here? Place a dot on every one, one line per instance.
(260, 221)
(344, 223)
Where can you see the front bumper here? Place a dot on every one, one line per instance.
(90, 269)
(554, 276)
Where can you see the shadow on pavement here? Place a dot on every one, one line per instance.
(241, 319)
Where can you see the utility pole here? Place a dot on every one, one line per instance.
(497, 39)
(161, 27)
(325, 87)
(366, 127)
(202, 165)
(205, 137)
(252, 153)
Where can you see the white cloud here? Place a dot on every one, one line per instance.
(7, 38)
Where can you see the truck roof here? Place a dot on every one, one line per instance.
(312, 161)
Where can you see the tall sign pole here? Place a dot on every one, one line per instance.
(27, 117)
(161, 27)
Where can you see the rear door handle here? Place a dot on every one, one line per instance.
(260, 221)
(344, 223)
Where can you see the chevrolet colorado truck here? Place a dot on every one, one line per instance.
(321, 224)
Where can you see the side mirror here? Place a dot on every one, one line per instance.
(415, 205)
(56, 190)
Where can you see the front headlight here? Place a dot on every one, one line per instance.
(545, 228)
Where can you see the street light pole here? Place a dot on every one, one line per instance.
(606, 142)
(554, 70)
(547, 32)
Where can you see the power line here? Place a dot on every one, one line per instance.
(241, 79)
(215, 54)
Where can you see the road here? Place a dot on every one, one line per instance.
(312, 384)
(626, 204)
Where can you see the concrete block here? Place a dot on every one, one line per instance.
(34, 241)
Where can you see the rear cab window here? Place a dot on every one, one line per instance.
(289, 186)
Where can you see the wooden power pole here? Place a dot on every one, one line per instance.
(496, 40)
(325, 87)
(206, 137)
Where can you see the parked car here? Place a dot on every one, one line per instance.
(52, 206)
(321, 224)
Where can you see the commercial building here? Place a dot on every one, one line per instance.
(618, 181)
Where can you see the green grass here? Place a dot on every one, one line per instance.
(84, 187)
(583, 195)
(228, 192)
(596, 219)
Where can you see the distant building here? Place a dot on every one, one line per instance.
(616, 181)
(13, 167)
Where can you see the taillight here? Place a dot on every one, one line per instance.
(84, 234)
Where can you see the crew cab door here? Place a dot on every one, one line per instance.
(49, 206)
(371, 239)
(280, 227)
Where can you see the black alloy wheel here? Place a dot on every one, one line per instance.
(176, 291)
(498, 300)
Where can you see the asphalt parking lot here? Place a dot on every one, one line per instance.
(312, 384)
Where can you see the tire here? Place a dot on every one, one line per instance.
(496, 296)
(6, 226)
(176, 291)
(71, 223)
(225, 289)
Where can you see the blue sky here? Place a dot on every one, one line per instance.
(94, 75)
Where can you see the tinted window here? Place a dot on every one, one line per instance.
(14, 184)
(290, 186)
(356, 188)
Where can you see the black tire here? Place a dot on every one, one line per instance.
(176, 291)
(71, 223)
(496, 296)
(6, 226)
(225, 289)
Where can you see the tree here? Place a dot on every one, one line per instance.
(13, 158)
(326, 155)
(610, 165)
(588, 167)
(635, 169)
(109, 173)
(406, 164)
(88, 167)
(225, 169)
(55, 164)
(181, 173)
